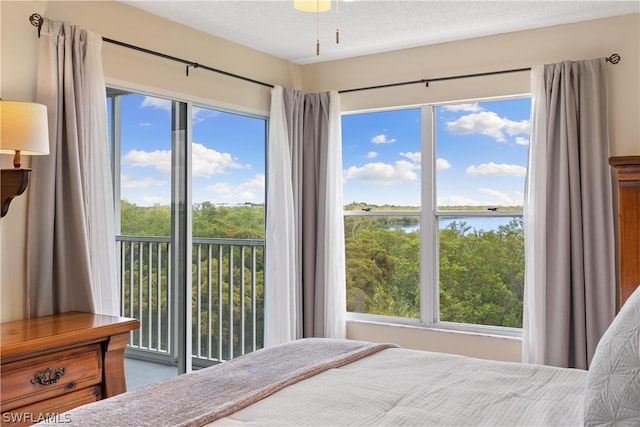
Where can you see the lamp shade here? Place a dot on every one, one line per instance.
(24, 128)
(312, 5)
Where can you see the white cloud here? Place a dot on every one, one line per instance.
(372, 155)
(129, 181)
(244, 192)
(382, 139)
(162, 104)
(499, 198)
(491, 197)
(442, 164)
(206, 161)
(522, 141)
(383, 173)
(463, 107)
(144, 124)
(160, 159)
(496, 169)
(487, 123)
(414, 157)
(516, 128)
(457, 200)
(201, 114)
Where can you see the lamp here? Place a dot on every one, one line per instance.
(24, 130)
(318, 6)
(312, 5)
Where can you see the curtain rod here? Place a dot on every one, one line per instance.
(37, 20)
(614, 59)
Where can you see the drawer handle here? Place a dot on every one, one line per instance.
(48, 376)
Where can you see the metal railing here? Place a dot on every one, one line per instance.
(227, 297)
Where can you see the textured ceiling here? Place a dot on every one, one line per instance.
(371, 26)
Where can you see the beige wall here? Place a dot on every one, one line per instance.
(120, 22)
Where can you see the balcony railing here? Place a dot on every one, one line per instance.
(227, 297)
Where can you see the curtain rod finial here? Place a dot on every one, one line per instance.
(36, 20)
(614, 58)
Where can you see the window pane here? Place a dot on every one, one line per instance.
(381, 158)
(481, 267)
(228, 192)
(141, 137)
(481, 163)
(481, 154)
(383, 265)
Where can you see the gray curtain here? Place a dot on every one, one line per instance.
(71, 238)
(307, 117)
(580, 273)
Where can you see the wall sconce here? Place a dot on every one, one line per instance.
(24, 131)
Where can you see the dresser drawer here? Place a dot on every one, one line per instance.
(31, 380)
(51, 409)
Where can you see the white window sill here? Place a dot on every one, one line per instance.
(442, 327)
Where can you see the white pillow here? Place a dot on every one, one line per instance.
(613, 380)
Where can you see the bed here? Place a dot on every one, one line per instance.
(343, 382)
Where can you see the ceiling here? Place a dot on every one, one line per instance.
(371, 26)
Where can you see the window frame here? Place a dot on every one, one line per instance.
(429, 216)
(181, 194)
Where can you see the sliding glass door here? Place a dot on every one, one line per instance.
(189, 184)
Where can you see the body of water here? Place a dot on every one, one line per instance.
(476, 223)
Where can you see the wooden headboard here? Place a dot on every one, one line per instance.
(627, 173)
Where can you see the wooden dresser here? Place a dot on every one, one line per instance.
(627, 172)
(55, 363)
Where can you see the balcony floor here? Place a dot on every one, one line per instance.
(141, 372)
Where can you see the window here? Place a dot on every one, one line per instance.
(433, 213)
(189, 184)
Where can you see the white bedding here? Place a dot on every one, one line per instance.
(340, 382)
(406, 387)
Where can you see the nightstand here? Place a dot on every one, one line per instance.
(52, 364)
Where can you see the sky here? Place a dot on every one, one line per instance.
(228, 154)
(481, 154)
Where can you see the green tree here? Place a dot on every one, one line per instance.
(481, 272)
(214, 286)
(472, 277)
